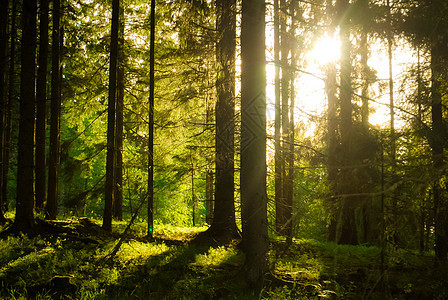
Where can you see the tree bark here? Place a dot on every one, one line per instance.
(111, 110)
(391, 90)
(253, 142)
(393, 147)
(278, 122)
(4, 11)
(51, 208)
(118, 187)
(209, 184)
(332, 136)
(24, 219)
(11, 100)
(437, 144)
(209, 192)
(365, 81)
(347, 219)
(224, 225)
(366, 201)
(41, 100)
(151, 124)
(291, 132)
(284, 210)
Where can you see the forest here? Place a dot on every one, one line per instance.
(223, 149)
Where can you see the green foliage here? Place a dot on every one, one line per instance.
(310, 189)
(184, 144)
(184, 90)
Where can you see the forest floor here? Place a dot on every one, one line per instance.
(73, 261)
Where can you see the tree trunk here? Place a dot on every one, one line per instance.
(253, 142)
(365, 81)
(282, 209)
(41, 99)
(4, 11)
(151, 124)
(278, 122)
(51, 208)
(224, 226)
(437, 144)
(391, 92)
(393, 197)
(285, 50)
(209, 184)
(332, 139)
(365, 156)
(24, 219)
(290, 186)
(111, 110)
(345, 182)
(365, 78)
(424, 224)
(209, 192)
(11, 100)
(193, 194)
(118, 187)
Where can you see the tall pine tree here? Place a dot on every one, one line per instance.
(253, 142)
(111, 109)
(51, 209)
(24, 219)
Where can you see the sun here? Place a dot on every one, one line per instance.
(326, 50)
(311, 97)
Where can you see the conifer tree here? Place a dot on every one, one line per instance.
(151, 124)
(347, 232)
(111, 110)
(118, 186)
(24, 219)
(9, 105)
(278, 123)
(223, 228)
(51, 208)
(3, 89)
(332, 123)
(253, 142)
(41, 107)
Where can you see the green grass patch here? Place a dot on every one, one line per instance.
(169, 268)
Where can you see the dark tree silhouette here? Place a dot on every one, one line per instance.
(438, 139)
(278, 122)
(118, 187)
(51, 209)
(110, 159)
(3, 87)
(347, 234)
(151, 124)
(11, 99)
(223, 228)
(41, 106)
(253, 142)
(332, 124)
(291, 130)
(24, 219)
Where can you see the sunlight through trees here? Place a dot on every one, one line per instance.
(262, 123)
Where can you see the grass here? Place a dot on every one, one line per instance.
(65, 268)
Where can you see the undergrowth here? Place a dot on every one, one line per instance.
(60, 267)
